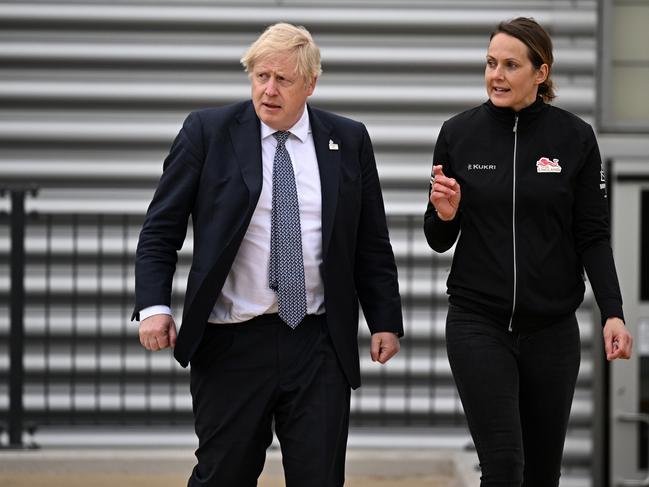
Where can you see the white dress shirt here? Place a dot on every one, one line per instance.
(245, 293)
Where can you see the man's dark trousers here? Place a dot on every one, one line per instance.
(245, 376)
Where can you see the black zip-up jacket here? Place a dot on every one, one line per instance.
(532, 216)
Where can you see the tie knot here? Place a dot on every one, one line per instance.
(281, 136)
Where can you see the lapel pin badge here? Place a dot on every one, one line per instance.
(332, 145)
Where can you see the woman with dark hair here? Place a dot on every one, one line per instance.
(520, 181)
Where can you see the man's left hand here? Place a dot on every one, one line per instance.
(384, 346)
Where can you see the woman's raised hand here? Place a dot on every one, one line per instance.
(445, 194)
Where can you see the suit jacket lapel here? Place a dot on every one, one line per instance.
(247, 146)
(246, 140)
(329, 167)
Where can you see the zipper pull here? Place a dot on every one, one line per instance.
(515, 124)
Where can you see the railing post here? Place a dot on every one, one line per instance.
(17, 308)
(17, 327)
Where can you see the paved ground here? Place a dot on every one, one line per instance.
(169, 468)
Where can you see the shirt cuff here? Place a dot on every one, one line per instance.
(154, 310)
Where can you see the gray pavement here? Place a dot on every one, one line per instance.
(167, 467)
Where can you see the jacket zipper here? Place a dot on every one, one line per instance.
(515, 130)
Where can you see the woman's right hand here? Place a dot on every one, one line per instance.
(445, 194)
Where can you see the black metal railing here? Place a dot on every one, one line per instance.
(76, 358)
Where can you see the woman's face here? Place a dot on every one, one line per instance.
(512, 80)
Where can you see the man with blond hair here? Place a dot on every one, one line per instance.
(289, 235)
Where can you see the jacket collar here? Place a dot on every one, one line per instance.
(507, 116)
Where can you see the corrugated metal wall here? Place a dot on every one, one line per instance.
(93, 92)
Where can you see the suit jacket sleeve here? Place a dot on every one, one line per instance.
(165, 223)
(375, 271)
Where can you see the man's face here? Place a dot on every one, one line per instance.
(278, 93)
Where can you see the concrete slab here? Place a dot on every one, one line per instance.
(170, 467)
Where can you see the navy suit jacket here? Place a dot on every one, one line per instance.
(213, 173)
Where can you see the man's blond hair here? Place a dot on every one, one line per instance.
(290, 39)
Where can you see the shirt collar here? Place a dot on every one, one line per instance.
(301, 129)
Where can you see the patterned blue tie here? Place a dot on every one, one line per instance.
(286, 270)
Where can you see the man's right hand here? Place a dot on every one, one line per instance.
(158, 332)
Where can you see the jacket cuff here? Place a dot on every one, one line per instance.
(610, 308)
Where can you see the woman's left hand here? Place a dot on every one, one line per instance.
(617, 339)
